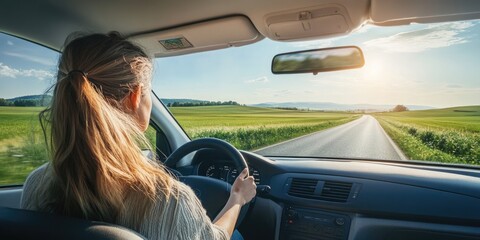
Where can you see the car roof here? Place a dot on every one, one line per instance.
(49, 22)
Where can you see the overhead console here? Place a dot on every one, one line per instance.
(307, 23)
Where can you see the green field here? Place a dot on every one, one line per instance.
(250, 128)
(22, 148)
(450, 135)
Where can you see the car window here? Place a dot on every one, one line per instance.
(416, 98)
(151, 135)
(26, 71)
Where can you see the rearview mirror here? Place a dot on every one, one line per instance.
(318, 60)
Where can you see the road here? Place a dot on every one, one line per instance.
(361, 138)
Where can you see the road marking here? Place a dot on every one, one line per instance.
(394, 145)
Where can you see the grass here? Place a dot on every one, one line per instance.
(22, 147)
(250, 128)
(15, 121)
(243, 116)
(450, 135)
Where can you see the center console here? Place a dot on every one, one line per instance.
(307, 224)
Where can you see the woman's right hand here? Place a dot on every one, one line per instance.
(243, 189)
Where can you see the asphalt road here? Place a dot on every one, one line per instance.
(361, 138)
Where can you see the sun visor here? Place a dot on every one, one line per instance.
(204, 36)
(394, 12)
(308, 23)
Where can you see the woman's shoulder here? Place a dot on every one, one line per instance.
(35, 182)
(39, 172)
(181, 198)
(36, 176)
(181, 192)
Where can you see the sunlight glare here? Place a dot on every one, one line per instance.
(373, 71)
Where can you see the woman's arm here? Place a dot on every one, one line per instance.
(183, 216)
(243, 190)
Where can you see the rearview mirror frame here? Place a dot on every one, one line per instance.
(360, 64)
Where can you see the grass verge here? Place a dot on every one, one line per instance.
(254, 138)
(436, 135)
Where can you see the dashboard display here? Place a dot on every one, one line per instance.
(225, 172)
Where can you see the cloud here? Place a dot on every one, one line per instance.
(314, 44)
(7, 71)
(432, 36)
(333, 78)
(322, 43)
(462, 89)
(10, 43)
(364, 28)
(258, 80)
(281, 93)
(273, 93)
(43, 61)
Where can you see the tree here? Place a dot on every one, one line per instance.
(202, 103)
(4, 102)
(399, 108)
(25, 103)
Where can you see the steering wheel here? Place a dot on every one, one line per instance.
(213, 193)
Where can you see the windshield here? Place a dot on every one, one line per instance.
(417, 97)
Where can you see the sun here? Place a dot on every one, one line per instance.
(373, 70)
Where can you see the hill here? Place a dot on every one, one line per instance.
(194, 103)
(29, 100)
(46, 98)
(328, 106)
(168, 101)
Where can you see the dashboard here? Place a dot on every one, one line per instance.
(352, 199)
(225, 171)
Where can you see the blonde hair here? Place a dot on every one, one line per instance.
(93, 139)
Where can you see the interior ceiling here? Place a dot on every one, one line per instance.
(48, 22)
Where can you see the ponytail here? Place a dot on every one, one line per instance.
(93, 139)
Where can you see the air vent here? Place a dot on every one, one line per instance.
(336, 191)
(302, 187)
(321, 190)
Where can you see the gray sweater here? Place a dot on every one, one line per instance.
(182, 218)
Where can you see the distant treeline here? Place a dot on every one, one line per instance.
(18, 103)
(203, 103)
(288, 108)
(23, 102)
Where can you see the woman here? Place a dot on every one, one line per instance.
(101, 107)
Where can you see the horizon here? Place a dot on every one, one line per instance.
(423, 107)
(203, 100)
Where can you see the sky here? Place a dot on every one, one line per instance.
(421, 64)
